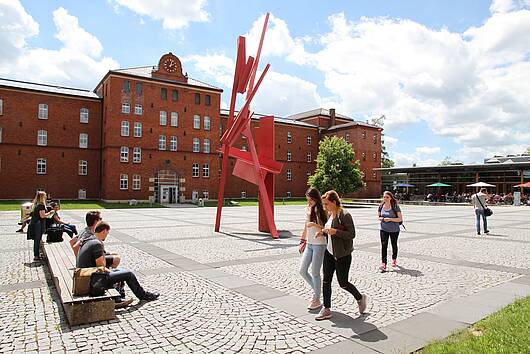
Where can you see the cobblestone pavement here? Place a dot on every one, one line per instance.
(240, 291)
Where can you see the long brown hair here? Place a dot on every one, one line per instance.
(393, 201)
(40, 197)
(318, 214)
(333, 196)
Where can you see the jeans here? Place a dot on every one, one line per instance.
(119, 275)
(342, 265)
(384, 244)
(478, 214)
(314, 255)
(38, 230)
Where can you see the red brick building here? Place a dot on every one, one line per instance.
(150, 133)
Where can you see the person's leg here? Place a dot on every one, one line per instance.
(119, 275)
(394, 239)
(485, 221)
(328, 266)
(384, 245)
(316, 266)
(343, 268)
(477, 220)
(38, 229)
(307, 256)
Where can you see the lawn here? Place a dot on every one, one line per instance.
(79, 204)
(506, 331)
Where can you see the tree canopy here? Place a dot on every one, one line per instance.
(336, 167)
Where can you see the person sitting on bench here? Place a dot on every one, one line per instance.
(92, 254)
(68, 228)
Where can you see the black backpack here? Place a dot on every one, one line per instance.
(395, 212)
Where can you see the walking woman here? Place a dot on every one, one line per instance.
(313, 245)
(390, 216)
(37, 222)
(340, 232)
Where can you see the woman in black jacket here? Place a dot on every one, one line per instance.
(37, 222)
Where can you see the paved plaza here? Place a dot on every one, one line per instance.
(240, 290)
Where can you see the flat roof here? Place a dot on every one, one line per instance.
(463, 167)
(62, 90)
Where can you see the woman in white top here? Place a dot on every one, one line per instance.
(313, 245)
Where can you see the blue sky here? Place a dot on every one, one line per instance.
(452, 77)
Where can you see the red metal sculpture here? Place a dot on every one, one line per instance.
(257, 165)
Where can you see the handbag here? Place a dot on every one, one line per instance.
(303, 243)
(98, 283)
(487, 211)
(81, 286)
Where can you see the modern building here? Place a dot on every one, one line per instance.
(150, 133)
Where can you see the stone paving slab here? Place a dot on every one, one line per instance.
(427, 326)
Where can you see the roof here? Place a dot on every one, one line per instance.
(351, 124)
(325, 112)
(62, 90)
(508, 159)
(463, 167)
(276, 119)
(145, 71)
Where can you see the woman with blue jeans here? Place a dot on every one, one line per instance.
(313, 245)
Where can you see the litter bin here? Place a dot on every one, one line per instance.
(25, 210)
(201, 202)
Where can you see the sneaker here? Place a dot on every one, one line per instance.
(362, 304)
(394, 263)
(487, 231)
(122, 302)
(478, 233)
(382, 267)
(314, 305)
(20, 230)
(324, 314)
(150, 296)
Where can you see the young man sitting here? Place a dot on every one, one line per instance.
(92, 254)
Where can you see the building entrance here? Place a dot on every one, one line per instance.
(169, 194)
(166, 187)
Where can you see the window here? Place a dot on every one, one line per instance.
(175, 95)
(364, 134)
(126, 86)
(196, 122)
(205, 195)
(207, 100)
(244, 148)
(163, 118)
(124, 128)
(125, 108)
(196, 145)
(195, 170)
(375, 138)
(243, 194)
(42, 138)
(41, 166)
(81, 194)
(288, 194)
(374, 175)
(347, 137)
(374, 156)
(174, 119)
(43, 111)
(163, 93)
(83, 168)
(289, 175)
(0, 134)
(83, 115)
(124, 154)
(364, 156)
(309, 157)
(206, 146)
(173, 143)
(124, 181)
(206, 170)
(197, 98)
(289, 138)
(83, 140)
(206, 123)
(138, 89)
(137, 129)
(137, 155)
(308, 140)
(162, 142)
(138, 109)
(289, 155)
(136, 182)
(1, 106)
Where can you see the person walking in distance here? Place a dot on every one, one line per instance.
(478, 201)
(340, 232)
(313, 245)
(390, 217)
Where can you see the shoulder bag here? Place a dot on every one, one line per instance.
(487, 211)
(82, 276)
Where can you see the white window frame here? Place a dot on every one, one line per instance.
(136, 182)
(161, 142)
(124, 154)
(173, 143)
(137, 131)
(206, 146)
(83, 115)
(124, 128)
(289, 156)
(206, 170)
(41, 166)
(137, 155)
(205, 195)
(42, 138)
(289, 138)
(309, 140)
(196, 145)
(289, 175)
(196, 121)
(138, 110)
(243, 194)
(207, 123)
(82, 168)
(195, 170)
(309, 157)
(163, 118)
(43, 111)
(125, 108)
(124, 181)
(83, 141)
(289, 195)
(174, 119)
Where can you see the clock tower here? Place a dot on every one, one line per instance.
(169, 68)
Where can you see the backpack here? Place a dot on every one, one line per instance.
(395, 212)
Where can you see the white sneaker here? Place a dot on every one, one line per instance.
(325, 314)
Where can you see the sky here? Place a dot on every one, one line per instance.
(451, 77)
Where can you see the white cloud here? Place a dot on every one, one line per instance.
(407, 160)
(175, 14)
(428, 150)
(503, 6)
(390, 142)
(216, 67)
(77, 63)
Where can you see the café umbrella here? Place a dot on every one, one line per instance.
(481, 184)
(439, 184)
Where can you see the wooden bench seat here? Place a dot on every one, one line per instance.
(78, 309)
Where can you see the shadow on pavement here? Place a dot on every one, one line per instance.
(410, 272)
(362, 330)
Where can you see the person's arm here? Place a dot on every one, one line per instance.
(399, 218)
(348, 233)
(43, 214)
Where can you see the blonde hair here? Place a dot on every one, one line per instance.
(40, 197)
(333, 196)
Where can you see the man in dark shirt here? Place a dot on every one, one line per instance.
(92, 254)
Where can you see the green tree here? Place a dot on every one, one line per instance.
(528, 151)
(386, 162)
(336, 167)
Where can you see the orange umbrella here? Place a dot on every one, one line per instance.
(524, 185)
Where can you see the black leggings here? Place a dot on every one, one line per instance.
(342, 265)
(384, 244)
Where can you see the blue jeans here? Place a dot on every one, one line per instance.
(119, 275)
(478, 214)
(314, 255)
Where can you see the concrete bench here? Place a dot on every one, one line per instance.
(78, 309)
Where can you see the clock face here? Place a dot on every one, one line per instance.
(170, 65)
